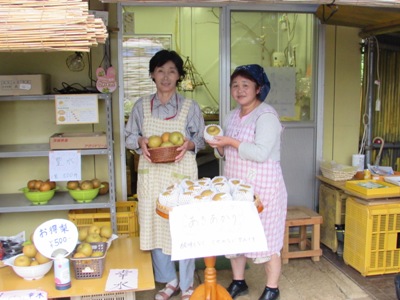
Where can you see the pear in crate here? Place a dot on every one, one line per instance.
(83, 233)
(106, 231)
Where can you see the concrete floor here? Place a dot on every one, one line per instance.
(302, 279)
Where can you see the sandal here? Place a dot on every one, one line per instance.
(167, 292)
(187, 294)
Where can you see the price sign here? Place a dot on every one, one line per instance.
(56, 237)
(65, 165)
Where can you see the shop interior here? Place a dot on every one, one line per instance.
(356, 113)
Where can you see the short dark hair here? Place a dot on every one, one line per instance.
(164, 56)
(244, 74)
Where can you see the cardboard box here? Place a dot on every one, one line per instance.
(90, 140)
(17, 85)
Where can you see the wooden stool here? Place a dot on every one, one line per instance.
(299, 216)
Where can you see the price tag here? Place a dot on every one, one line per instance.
(65, 165)
(57, 237)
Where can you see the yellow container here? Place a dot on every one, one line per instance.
(332, 208)
(371, 243)
(372, 187)
(127, 217)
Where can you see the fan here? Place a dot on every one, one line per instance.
(75, 62)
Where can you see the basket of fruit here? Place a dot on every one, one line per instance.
(88, 260)
(39, 192)
(86, 190)
(163, 148)
(30, 264)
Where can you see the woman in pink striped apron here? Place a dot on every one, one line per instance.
(251, 150)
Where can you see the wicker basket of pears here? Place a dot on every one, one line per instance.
(163, 148)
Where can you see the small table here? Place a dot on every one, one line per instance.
(124, 253)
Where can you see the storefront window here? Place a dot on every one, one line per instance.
(283, 44)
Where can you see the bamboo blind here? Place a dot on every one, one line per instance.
(49, 25)
(385, 122)
(382, 3)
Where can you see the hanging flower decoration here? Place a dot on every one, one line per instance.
(189, 82)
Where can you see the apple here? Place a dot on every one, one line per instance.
(93, 238)
(154, 141)
(22, 261)
(176, 138)
(85, 248)
(106, 231)
(41, 259)
(29, 250)
(94, 229)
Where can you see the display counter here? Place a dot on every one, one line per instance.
(124, 253)
(371, 244)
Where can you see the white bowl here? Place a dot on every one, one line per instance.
(30, 272)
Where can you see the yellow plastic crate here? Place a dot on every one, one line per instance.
(127, 217)
(371, 243)
(332, 208)
(108, 296)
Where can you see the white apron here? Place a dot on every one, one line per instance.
(153, 178)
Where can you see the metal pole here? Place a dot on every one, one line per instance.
(370, 99)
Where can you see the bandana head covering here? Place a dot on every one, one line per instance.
(258, 74)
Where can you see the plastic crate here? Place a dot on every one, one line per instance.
(332, 208)
(127, 220)
(372, 237)
(90, 267)
(108, 296)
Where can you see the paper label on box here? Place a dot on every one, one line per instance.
(76, 109)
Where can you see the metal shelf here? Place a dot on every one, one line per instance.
(17, 203)
(35, 150)
(10, 203)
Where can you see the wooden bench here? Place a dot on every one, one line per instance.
(301, 217)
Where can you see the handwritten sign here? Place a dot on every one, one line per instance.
(24, 295)
(77, 109)
(122, 280)
(56, 237)
(215, 228)
(65, 165)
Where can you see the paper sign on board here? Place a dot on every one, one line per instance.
(215, 228)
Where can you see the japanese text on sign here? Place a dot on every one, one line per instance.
(55, 234)
(65, 165)
(215, 228)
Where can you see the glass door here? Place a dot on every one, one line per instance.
(284, 43)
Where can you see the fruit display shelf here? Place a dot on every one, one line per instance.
(61, 201)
